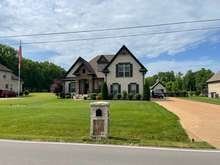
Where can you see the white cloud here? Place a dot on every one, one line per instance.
(31, 16)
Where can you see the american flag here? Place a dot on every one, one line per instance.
(19, 55)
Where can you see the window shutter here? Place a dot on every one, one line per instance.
(137, 88)
(131, 70)
(129, 88)
(119, 88)
(111, 89)
(116, 70)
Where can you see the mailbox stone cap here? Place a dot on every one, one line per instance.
(99, 103)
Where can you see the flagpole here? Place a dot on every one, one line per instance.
(19, 72)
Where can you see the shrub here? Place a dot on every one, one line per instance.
(130, 96)
(197, 93)
(119, 96)
(68, 95)
(138, 96)
(146, 93)
(104, 91)
(99, 96)
(192, 93)
(62, 95)
(92, 96)
(110, 96)
(124, 95)
(26, 92)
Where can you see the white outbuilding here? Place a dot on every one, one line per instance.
(158, 89)
(214, 86)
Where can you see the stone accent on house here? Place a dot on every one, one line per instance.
(99, 122)
(87, 77)
(137, 76)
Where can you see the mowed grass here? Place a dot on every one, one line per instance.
(43, 117)
(204, 99)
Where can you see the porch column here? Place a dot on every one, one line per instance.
(90, 85)
(77, 86)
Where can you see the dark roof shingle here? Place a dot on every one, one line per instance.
(94, 64)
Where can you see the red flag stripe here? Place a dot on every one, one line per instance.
(20, 55)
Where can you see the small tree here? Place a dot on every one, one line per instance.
(56, 87)
(104, 91)
(146, 93)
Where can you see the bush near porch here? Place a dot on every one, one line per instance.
(43, 117)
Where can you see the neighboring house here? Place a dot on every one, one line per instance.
(8, 80)
(122, 72)
(158, 89)
(214, 86)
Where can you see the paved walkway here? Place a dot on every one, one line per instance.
(201, 120)
(42, 153)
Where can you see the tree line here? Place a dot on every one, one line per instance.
(37, 76)
(194, 82)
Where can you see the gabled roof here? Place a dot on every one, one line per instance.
(122, 50)
(80, 59)
(4, 68)
(157, 82)
(94, 64)
(214, 78)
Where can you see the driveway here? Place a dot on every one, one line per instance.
(200, 120)
(42, 153)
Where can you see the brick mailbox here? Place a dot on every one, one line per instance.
(99, 121)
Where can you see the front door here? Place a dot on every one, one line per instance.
(83, 86)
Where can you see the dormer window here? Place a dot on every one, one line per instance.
(84, 71)
(124, 70)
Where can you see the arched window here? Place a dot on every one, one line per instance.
(98, 113)
(133, 88)
(115, 88)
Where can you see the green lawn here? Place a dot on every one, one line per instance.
(44, 117)
(204, 99)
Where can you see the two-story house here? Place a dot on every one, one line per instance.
(8, 80)
(122, 72)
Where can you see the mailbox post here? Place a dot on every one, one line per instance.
(99, 121)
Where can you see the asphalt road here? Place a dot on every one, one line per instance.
(28, 153)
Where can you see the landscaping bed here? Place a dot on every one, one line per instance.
(43, 117)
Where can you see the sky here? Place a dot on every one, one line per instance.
(174, 51)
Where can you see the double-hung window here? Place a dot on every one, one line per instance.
(124, 70)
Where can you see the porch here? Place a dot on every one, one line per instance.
(83, 86)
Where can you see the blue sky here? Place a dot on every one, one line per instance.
(177, 51)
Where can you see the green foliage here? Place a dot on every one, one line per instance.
(92, 96)
(191, 81)
(44, 117)
(119, 96)
(138, 96)
(130, 96)
(146, 93)
(37, 76)
(124, 95)
(104, 91)
(26, 92)
(99, 96)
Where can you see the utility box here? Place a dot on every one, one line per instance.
(99, 121)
